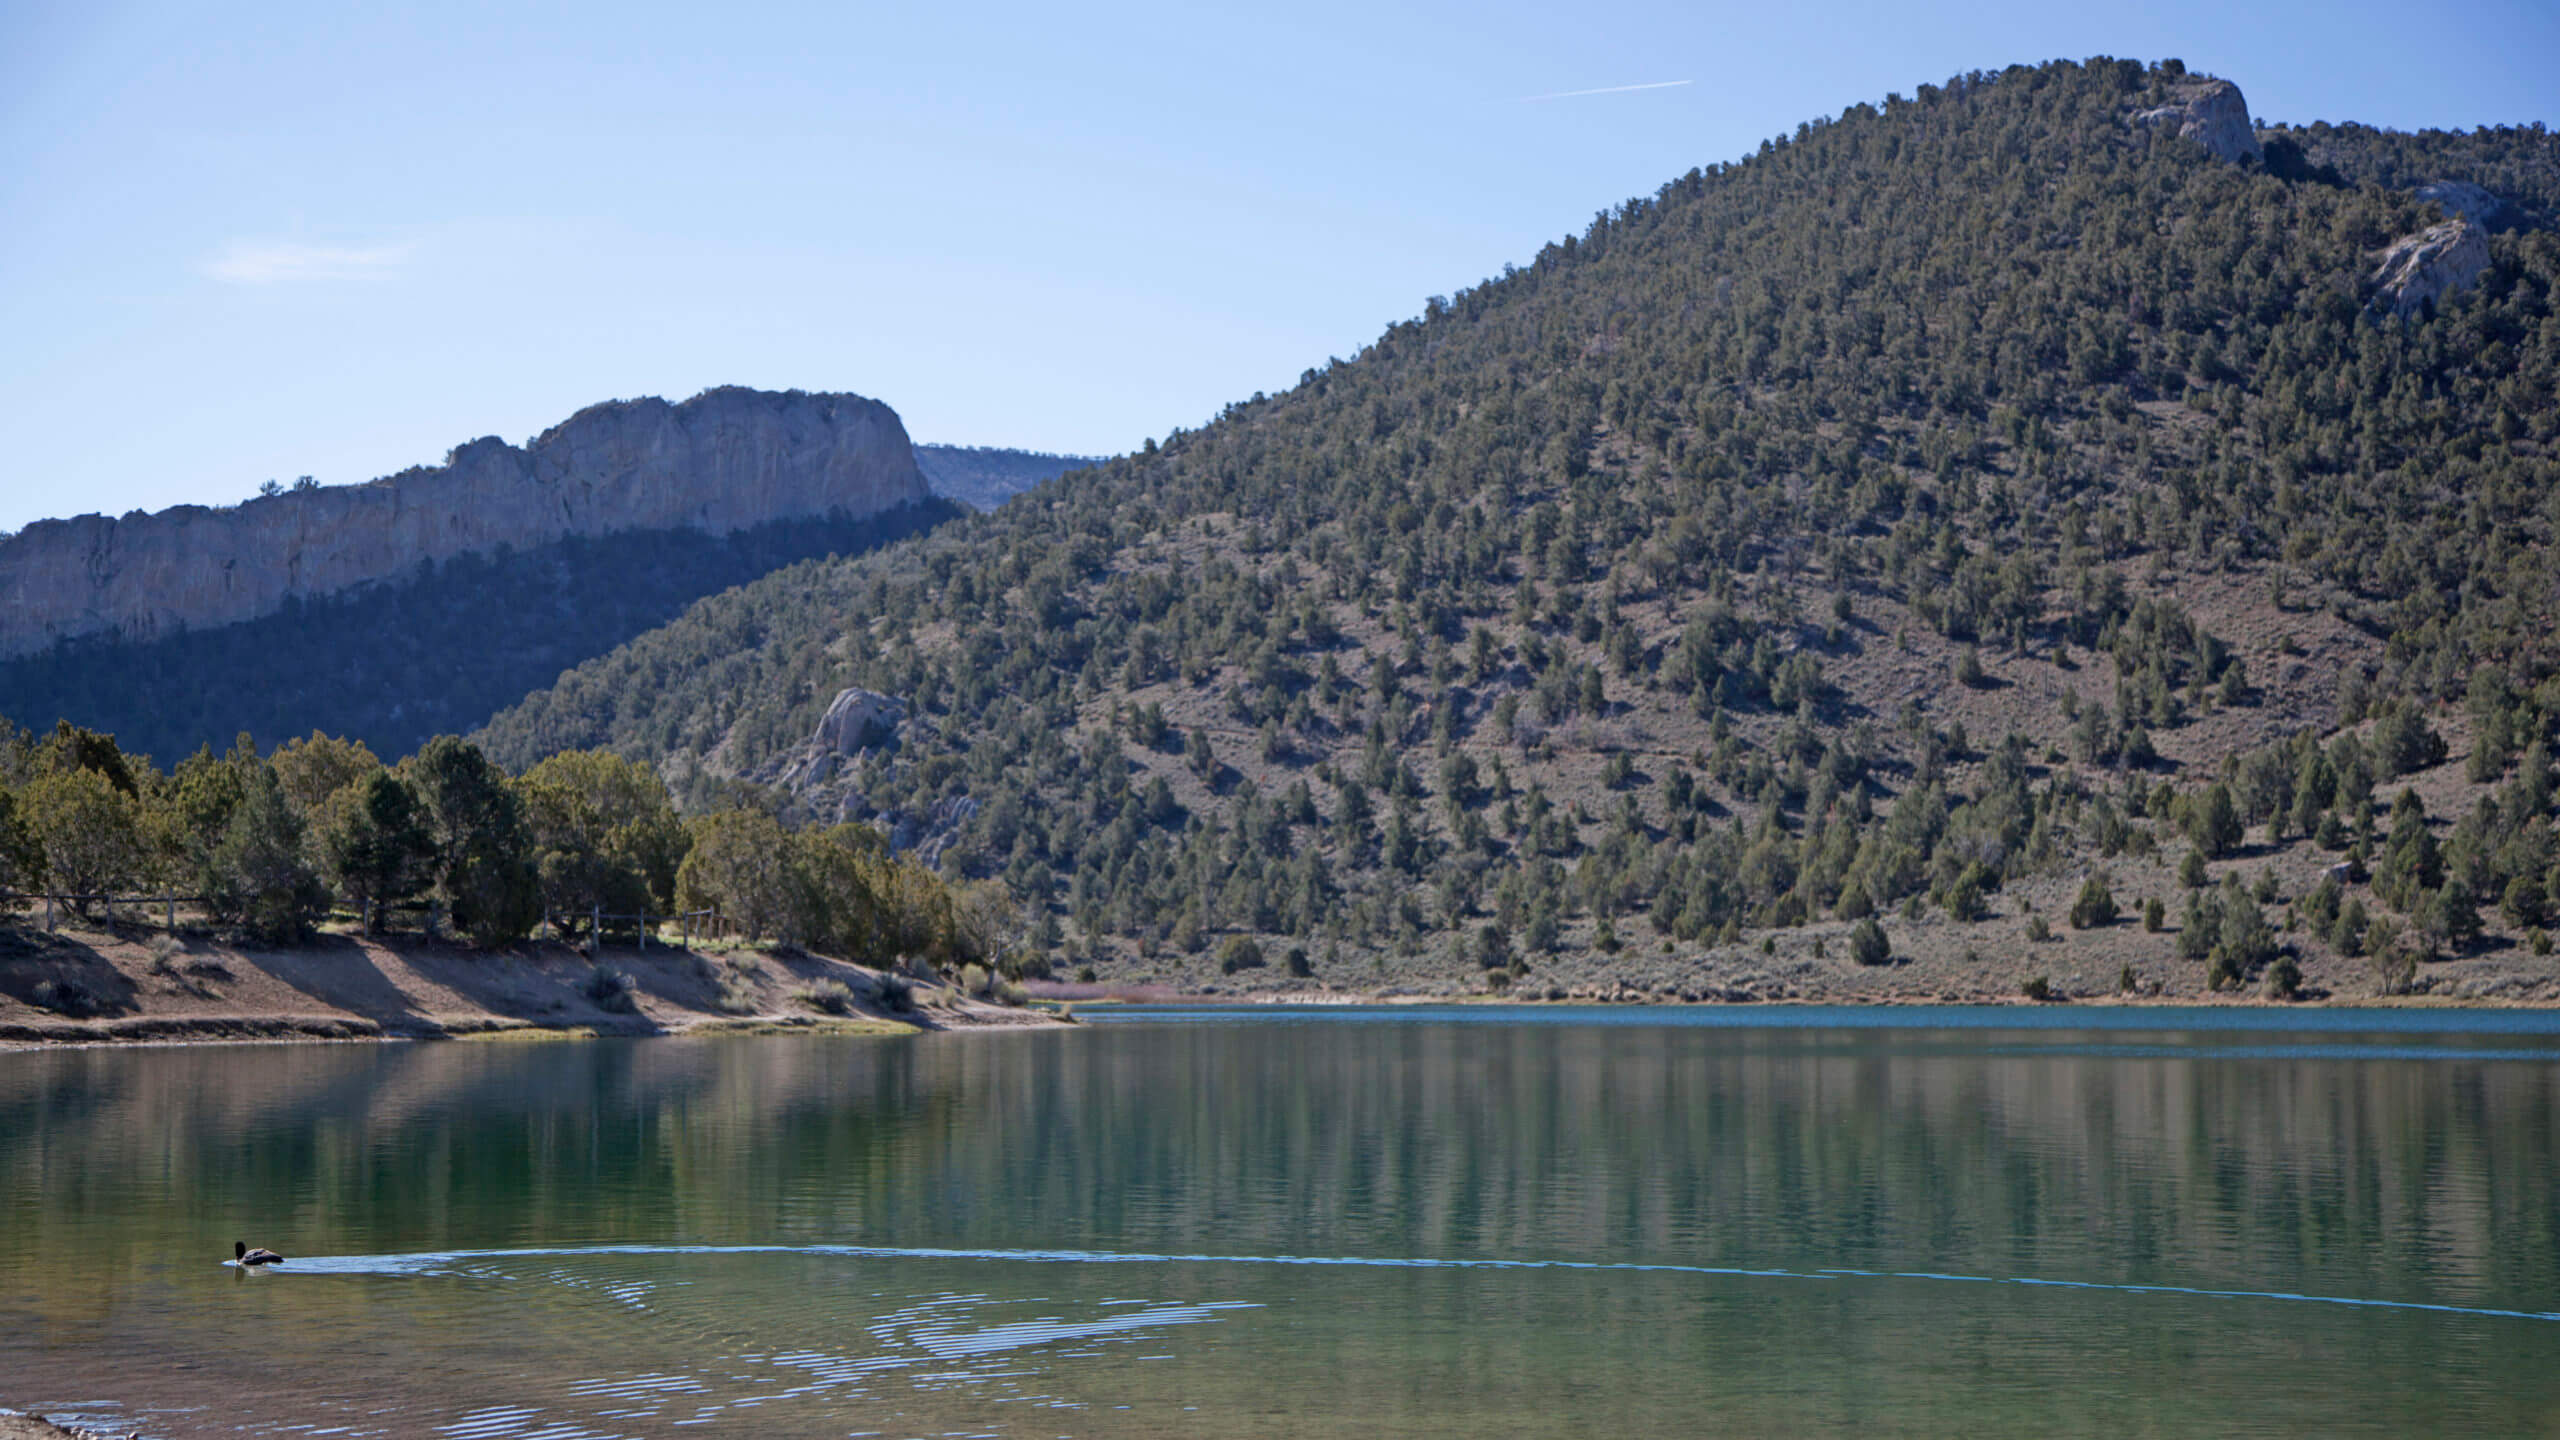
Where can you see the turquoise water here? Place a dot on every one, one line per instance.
(1353, 1221)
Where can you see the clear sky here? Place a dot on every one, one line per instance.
(268, 240)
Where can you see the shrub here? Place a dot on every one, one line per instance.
(68, 997)
(1239, 953)
(2036, 988)
(897, 992)
(2283, 979)
(828, 996)
(1868, 944)
(610, 990)
(2095, 908)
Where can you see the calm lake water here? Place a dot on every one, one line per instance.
(1343, 1222)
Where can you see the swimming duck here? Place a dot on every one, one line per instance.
(241, 1254)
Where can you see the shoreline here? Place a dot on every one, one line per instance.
(143, 989)
(26, 1425)
(85, 988)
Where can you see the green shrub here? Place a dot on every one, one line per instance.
(610, 989)
(2095, 907)
(828, 996)
(1868, 944)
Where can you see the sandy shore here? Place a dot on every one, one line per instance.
(96, 985)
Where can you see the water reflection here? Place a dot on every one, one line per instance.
(1408, 1223)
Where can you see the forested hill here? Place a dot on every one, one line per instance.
(448, 643)
(983, 477)
(435, 651)
(1988, 493)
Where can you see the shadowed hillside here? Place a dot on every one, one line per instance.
(983, 478)
(436, 652)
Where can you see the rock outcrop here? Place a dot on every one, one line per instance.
(2462, 200)
(858, 723)
(854, 746)
(2213, 114)
(723, 461)
(2426, 267)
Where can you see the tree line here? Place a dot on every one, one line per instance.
(269, 845)
(1340, 664)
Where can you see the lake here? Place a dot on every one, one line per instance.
(1409, 1221)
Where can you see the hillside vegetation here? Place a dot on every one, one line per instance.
(983, 477)
(438, 651)
(1943, 531)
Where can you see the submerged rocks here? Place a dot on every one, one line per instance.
(2213, 114)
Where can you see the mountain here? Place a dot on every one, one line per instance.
(1957, 529)
(724, 461)
(983, 479)
(423, 602)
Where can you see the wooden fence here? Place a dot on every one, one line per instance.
(52, 917)
(695, 924)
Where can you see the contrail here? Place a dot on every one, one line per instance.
(1604, 90)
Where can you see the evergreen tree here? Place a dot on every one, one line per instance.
(375, 845)
(484, 870)
(259, 867)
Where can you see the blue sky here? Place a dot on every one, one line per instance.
(266, 241)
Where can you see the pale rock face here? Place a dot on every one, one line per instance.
(854, 745)
(2213, 114)
(2429, 265)
(858, 719)
(724, 461)
(2462, 200)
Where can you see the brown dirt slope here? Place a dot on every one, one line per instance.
(88, 984)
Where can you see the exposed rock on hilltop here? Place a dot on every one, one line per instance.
(2425, 267)
(2213, 114)
(2462, 200)
(725, 461)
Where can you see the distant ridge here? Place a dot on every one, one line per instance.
(983, 478)
(727, 460)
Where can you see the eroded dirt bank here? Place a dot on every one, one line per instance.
(93, 985)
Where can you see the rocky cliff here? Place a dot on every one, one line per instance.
(2213, 114)
(724, 461)
(2420, 269)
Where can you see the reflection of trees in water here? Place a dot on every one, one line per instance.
(2386, 1178)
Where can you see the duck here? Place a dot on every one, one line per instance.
(241, 1254)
